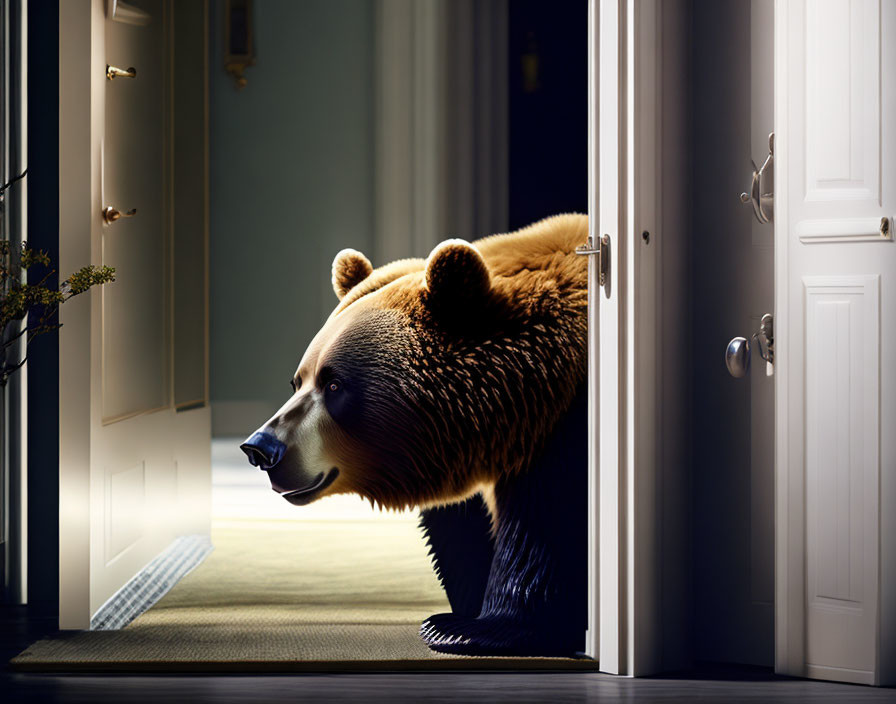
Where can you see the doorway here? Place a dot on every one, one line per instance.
(299, 170)
(428, 136)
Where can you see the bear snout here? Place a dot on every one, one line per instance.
(263, 450)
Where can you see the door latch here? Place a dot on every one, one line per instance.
(602, 250)
(737, 354)
(111, 214)
(762, 189)
(113, 72)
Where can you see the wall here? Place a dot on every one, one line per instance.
(291, 184)
(548, 126)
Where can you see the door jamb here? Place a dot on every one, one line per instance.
(593, 633)
(80, 28)
(626, 150)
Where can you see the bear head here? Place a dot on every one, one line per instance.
(425, 384)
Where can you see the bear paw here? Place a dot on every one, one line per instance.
(491, 635)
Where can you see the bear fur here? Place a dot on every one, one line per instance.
(456, 385)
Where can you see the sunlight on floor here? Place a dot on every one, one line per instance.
(242, 491)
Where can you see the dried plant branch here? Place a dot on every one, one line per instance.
(19, 299)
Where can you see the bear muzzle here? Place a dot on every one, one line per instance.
(263, 450)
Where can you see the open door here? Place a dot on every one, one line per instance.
(134, 423)
(835, 200)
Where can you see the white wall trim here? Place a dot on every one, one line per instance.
(592, 640)
(613, 576)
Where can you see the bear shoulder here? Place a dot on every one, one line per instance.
(546, 245)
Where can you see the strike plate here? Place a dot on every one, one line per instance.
(603, 260)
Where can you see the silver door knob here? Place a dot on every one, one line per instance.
(737, 357)
(737, 354)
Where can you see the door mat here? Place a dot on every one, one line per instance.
(286, 596)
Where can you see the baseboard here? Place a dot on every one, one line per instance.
(152, 582)
(239, 418)
(839, 674)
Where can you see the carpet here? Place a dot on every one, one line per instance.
(316, 596)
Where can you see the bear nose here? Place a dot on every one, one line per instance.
(263, 450)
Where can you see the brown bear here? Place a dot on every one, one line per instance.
(455, 384)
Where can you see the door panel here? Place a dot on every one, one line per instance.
(134, 321)
(842, 109)
(836, 296)
(842, 437)
(125, 509)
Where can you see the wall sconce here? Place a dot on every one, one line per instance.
(240, 45)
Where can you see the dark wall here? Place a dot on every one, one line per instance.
(43, 355)
(291, 183)
(548, 141)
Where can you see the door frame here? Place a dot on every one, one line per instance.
(624, 629)
(638, 464)
(80, 114)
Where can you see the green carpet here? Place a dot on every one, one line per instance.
(285, 596)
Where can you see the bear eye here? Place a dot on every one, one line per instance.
(292, 383)
(334, 385)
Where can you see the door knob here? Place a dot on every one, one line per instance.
(737, 354)
(737, 357)
(113, 72)
(111, 214)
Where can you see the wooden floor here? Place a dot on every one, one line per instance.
(706, 686)
(708, 683)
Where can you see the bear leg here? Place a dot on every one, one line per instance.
(462, 548)
(535, 599)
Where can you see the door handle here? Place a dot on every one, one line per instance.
(762, 188)
(111, 214)
(113, 72)
(737, 354)
(602, 250)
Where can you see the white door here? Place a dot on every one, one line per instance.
(638, 136)
(835, 258)
(134, 464)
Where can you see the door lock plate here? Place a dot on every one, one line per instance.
(602, 250)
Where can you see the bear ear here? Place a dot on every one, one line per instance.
(350, 268)
(456, 272)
